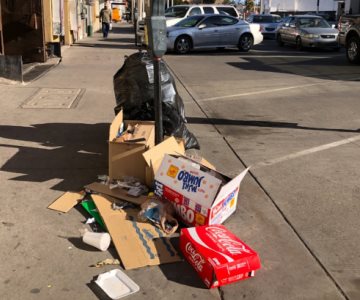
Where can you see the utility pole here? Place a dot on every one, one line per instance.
(156, 23)
(317, 6)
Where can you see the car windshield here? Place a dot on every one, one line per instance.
(189, 21)
(176, 11)
(313, 23)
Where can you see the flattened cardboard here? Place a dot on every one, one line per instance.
(116, 193)
(138, 244)
(66, 201)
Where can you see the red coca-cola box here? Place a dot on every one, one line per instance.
(218, 255)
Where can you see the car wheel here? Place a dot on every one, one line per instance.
(246, 41)
(299, 45)
(353, 50)
(279, 40)
(182, 45)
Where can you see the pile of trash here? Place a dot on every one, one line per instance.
(153, 193)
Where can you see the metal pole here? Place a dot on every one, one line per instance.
(317, 6)
(159, 135)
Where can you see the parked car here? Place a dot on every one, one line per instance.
(349, 36)
(175, 14)
(212, 31)
(268, 23)
(308, 31)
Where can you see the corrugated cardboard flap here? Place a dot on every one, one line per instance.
(66, 201)
(115, 126)
(138, 244)
(169, 146)
(117, 193)
(231, 186)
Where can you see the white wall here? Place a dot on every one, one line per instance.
(302, 5)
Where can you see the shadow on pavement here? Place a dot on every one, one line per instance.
(270, 124)
(75, 153)
(321, 68)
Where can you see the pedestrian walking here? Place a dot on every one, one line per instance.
(105, 19)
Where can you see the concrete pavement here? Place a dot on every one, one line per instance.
(47, 151)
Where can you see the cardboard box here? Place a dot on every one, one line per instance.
(66, 201)
(218, 255)
(125, 158)
(138, 244)
(199, 196)
(138, 159)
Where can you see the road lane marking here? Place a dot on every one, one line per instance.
(306, 152)
(262, 92)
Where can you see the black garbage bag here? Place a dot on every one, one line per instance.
(134, 94)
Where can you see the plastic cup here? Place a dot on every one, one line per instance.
(100, 240)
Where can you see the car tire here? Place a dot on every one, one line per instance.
(182, 45)
(279, 40)
(246, 42)
(298, 44)
(353, 50)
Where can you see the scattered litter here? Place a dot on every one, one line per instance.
(100, 240)
(116, 193)
(106, 262)
(49, 286)
(89, 205)
(90, 221)
(70, 247)
(138, 244)
(116, 284)
(121, 205)
(159, 213)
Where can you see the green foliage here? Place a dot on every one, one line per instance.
(249, 5)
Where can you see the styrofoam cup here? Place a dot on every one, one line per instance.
(100, 240)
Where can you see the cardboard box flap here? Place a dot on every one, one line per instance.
(117, 193)
(230, 187)
(66, 201)
(115, 125)
(191, 182)
(138, 244)
(168, 146)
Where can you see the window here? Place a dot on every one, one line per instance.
(208, 10)
(219, 21)
(195, 11)
(176, 11)
(227, 10)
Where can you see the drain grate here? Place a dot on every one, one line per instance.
(54, 98)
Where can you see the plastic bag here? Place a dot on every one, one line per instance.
(134, 93)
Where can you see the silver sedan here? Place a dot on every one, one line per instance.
(308, 31)
(212, 31)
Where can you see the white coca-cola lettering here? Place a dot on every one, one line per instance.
(196, 258)
(231, 245)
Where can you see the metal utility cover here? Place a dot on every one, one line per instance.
(53, 98)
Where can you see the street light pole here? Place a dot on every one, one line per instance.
(317, 6)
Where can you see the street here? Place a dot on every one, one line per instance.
(292, 116)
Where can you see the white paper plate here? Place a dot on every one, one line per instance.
(116, 284)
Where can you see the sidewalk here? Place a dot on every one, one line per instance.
(45, 152)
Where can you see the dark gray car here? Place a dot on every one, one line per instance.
(308, 31)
